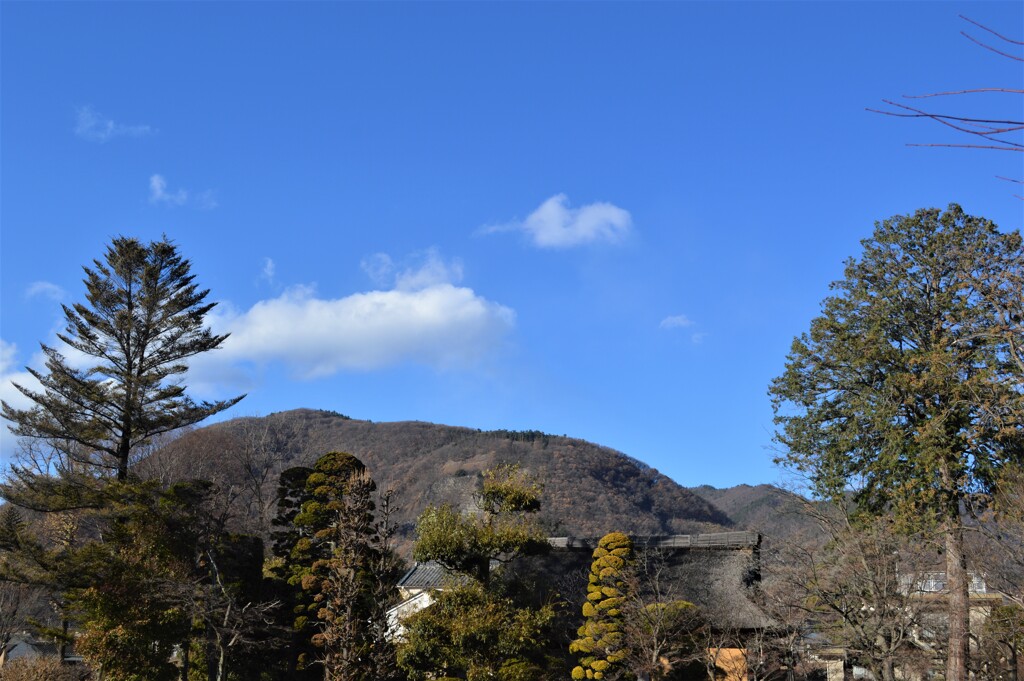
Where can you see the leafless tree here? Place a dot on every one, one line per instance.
(997, 544)
(257, 459)
(863, 591)
(659, 622)
(1000, 134)
(19, 603)
(231, 620)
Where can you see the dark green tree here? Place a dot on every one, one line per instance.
(908, 388)
(168, 575)
(292, 555)
(352, 571)
(127, 597)
(143, 318)
(602, 644)
(332, 545)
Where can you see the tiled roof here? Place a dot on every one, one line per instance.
(427, 575)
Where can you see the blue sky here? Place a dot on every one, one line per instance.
(605, 220)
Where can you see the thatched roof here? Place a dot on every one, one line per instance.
(714, 571)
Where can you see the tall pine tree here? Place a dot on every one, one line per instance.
(143, 318)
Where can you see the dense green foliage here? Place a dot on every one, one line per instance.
(473, 633)
(602, 642)
(909, 387)
(333, 550)
(906, 383)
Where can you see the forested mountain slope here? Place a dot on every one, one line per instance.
(588, 489)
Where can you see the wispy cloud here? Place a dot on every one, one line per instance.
(554, 224)
(10, 374)
(160, 194)
(678, 321)
(269, 268)
(424, 318)
(421, 270)
(44, 289)
(681, 321)
(93, 126)
(431, 270)
(379, 267)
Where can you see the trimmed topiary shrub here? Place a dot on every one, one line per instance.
(601, 643)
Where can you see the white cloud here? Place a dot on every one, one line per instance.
(678, 321)
(425, 319)
(158, 193)
(45, 289)
(11, 373)
(95, 127)
(555, 225)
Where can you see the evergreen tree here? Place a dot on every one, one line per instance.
(144, 317)
(291, 546)
(353, 571)
(602, 640)
(333, 547)
(909, 388)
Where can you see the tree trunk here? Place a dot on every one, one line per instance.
(62, 649)
(211, 654)
(888, 670)
(222, 663)
(124, 451)
(185, 650)
(959, 605)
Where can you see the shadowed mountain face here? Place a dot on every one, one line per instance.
(588, 489)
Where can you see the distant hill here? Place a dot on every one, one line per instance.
(770, 510)
(588, 489)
